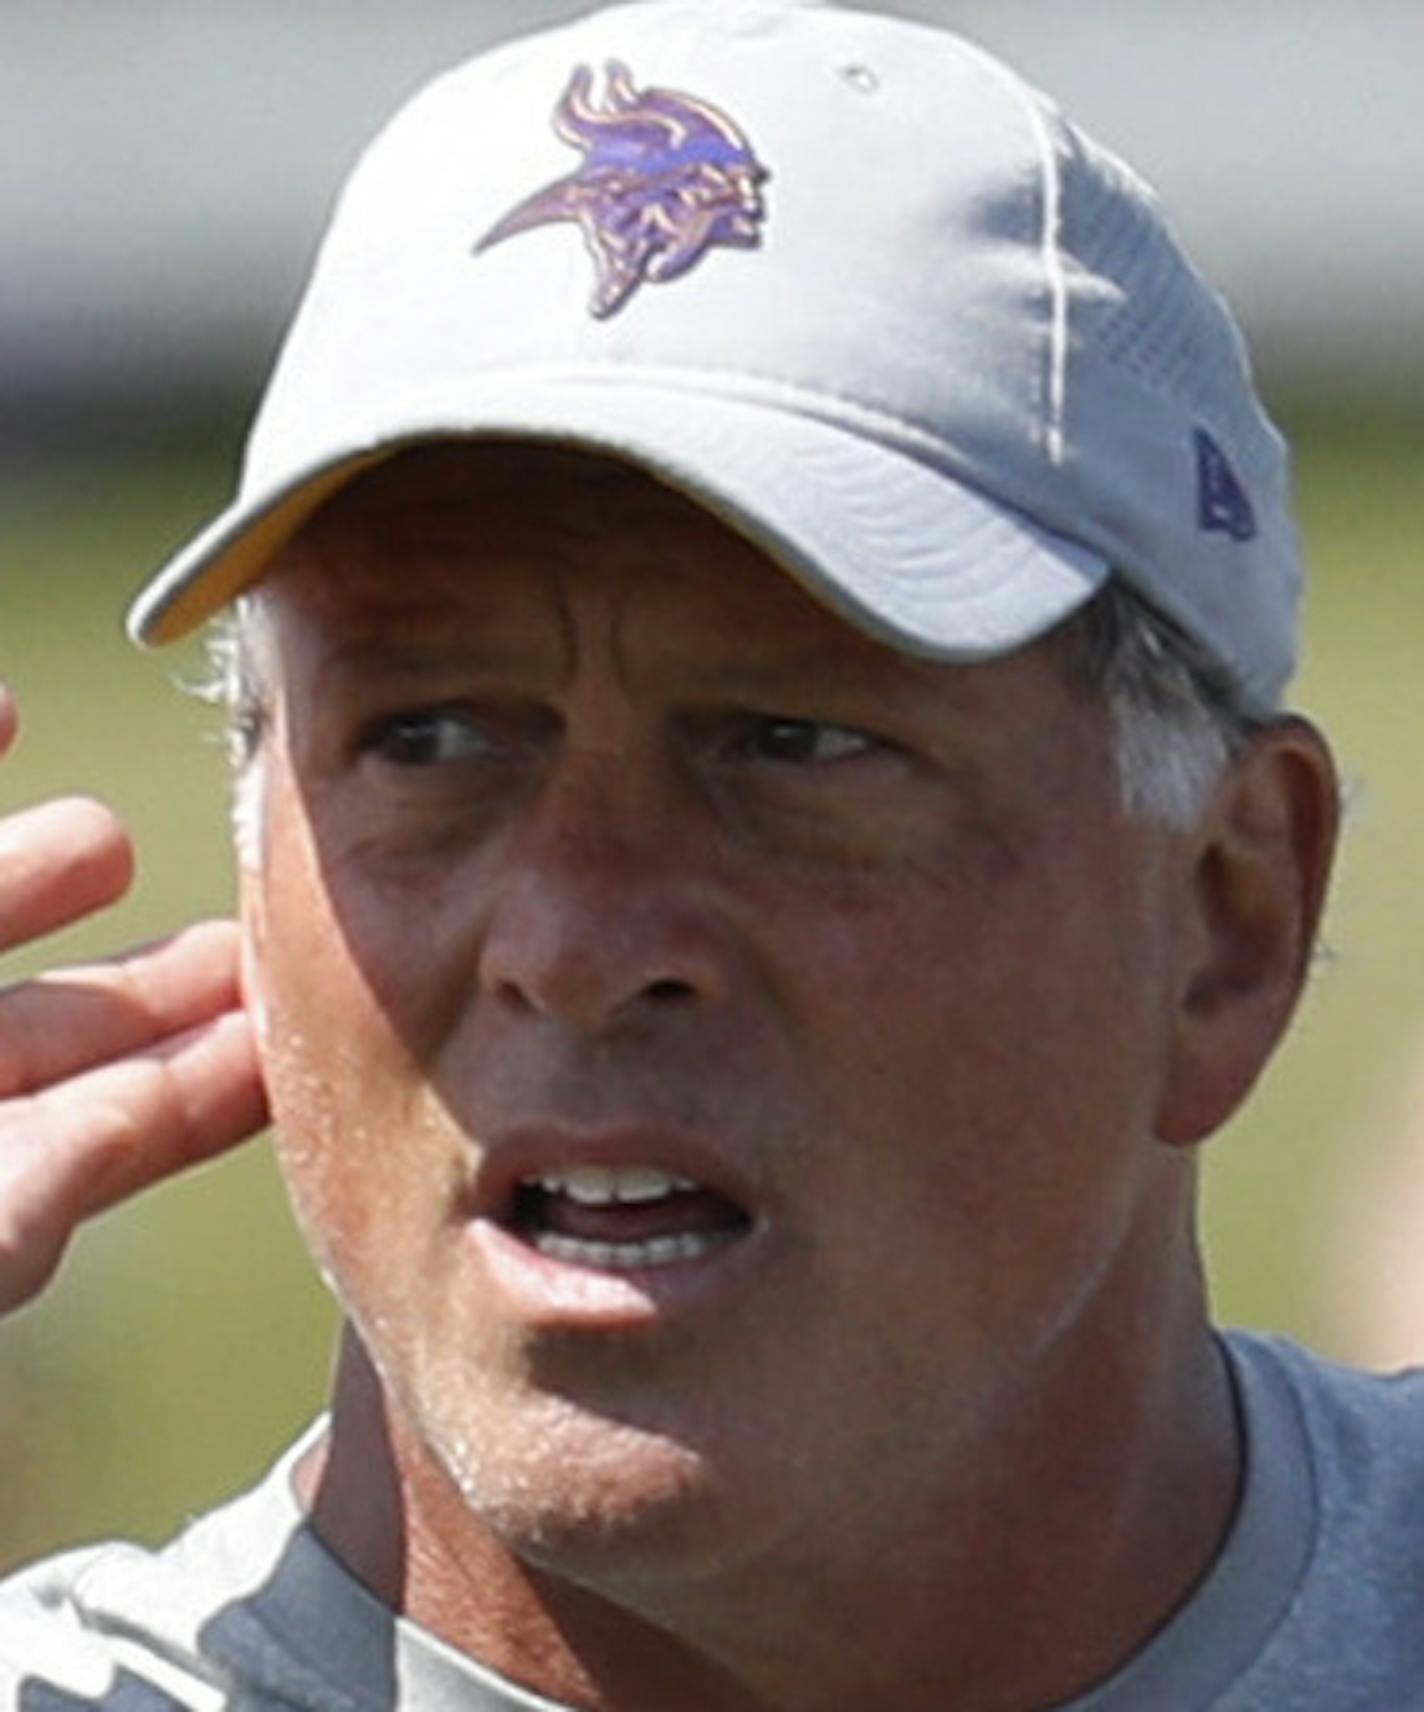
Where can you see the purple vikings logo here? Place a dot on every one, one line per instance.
(665, 177)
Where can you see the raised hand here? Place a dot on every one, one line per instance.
(114, 1075)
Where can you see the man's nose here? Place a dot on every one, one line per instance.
(603, 910)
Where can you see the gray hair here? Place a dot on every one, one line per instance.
(1177, 716)
(240, 675)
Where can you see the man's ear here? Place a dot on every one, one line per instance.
(254, 933)
(1253, 887)
(252, 915)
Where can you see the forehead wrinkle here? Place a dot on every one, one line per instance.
(410, 664)
(757, 630)
(370, 608)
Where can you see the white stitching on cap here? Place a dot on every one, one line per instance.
(1054, 272)
(1057, 286)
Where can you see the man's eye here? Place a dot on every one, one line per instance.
(802, 742)
(425, 739)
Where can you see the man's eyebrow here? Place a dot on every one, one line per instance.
(403, 657)
(818, 670)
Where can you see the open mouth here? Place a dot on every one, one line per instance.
(628, 1218)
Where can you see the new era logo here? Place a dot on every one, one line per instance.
(1223, 505)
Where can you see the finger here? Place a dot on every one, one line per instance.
(161, 1111)
(59, 862)
(9, 720)
(89, 1143)
(67, 1021)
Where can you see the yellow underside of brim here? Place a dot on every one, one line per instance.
(247, 559)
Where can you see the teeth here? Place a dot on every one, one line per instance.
(606, 1186)
(624, 1256)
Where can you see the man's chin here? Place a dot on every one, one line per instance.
(580, 1496)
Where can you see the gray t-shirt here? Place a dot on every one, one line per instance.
(1316, 1603)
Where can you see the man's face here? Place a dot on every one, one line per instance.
(714, 1055)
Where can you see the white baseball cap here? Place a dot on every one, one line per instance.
(845, 280)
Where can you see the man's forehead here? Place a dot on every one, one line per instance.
(463, 529)
(484, 553)
(465, 481)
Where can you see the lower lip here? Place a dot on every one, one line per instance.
(541, 1290)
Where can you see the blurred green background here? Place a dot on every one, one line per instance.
(185, 1337)
(166, 162)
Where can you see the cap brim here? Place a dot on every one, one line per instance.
(902, 549)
